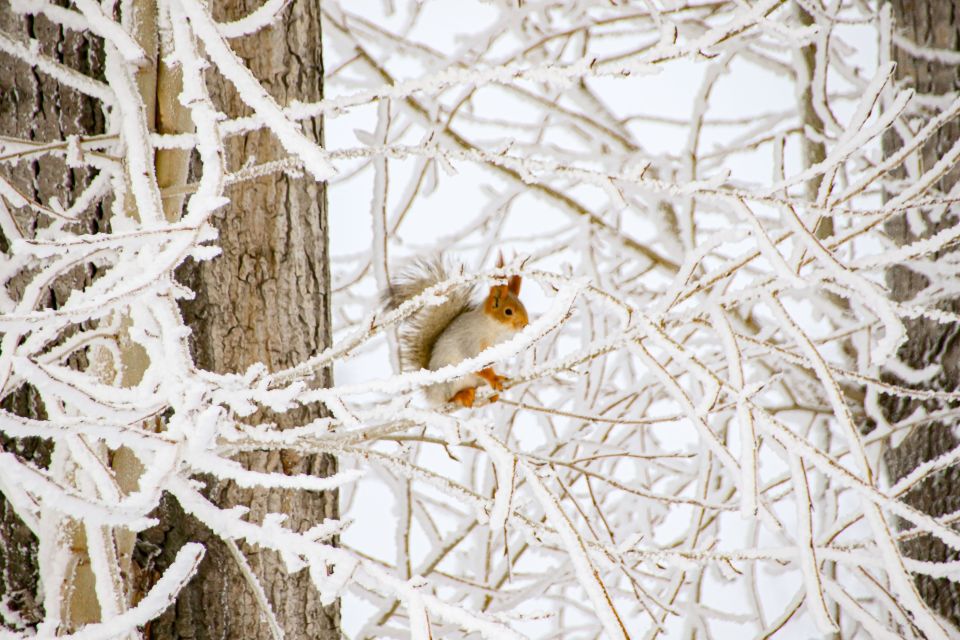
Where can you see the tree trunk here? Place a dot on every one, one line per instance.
(935, 24)
(265, 299)
(35, 107)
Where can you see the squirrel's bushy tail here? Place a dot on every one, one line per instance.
(420, 332)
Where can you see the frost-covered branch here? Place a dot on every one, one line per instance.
(689, 428)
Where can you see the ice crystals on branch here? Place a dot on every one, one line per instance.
(683, 412)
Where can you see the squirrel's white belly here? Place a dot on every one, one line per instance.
(470, 333)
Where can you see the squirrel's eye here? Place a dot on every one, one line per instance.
(509, 312)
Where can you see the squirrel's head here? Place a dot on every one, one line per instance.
(503, 304)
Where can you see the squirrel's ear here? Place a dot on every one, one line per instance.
(493, 298)
(513, 285)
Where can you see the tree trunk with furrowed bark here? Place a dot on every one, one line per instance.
(265, 299)
(931, 24)
(34, 107)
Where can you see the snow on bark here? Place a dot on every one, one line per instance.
(684, 429)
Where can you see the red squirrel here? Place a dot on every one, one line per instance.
(456, 329)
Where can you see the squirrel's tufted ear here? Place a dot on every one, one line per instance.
(494, 298)
(513, 283)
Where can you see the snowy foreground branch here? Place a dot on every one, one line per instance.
(691, 441)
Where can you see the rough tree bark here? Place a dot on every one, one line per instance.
(935, 24)
(35, 107)
(265, 299)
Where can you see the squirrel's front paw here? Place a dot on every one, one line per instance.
(465, 397)
(495, 381)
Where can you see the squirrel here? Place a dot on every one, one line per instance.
(456, 329)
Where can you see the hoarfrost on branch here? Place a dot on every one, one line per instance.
(690, 441)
